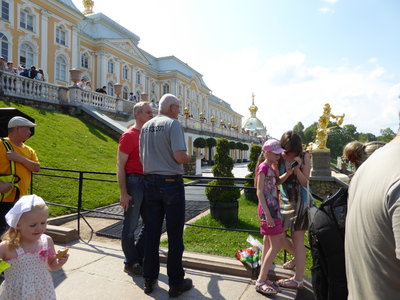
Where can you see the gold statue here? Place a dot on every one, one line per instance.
(323, 130)
(88, 4)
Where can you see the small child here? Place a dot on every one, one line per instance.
(267, 179)
(29, 251)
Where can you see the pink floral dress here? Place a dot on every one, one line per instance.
(28, 278)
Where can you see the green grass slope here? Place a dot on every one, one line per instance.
(66, 142)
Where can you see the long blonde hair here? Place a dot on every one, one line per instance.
(12, 235)
(260, 159)
(357, 152)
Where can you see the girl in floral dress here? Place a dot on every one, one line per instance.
(271, 225)
(29, 252)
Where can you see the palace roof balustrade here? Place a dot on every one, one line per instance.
(22, 87)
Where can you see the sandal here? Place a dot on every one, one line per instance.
(274, 285)
(291, 283)
(289, 265)
(265, 289)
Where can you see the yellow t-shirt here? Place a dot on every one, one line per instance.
(23, 172)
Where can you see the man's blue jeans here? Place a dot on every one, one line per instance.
(166, 197)
(133, 249)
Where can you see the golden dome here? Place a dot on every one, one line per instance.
(253, 109)
(253, 124)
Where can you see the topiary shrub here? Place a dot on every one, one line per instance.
(222, 168)
(249, 194)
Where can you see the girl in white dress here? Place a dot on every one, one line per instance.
(29, 252)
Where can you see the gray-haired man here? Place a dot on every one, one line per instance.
(163, 151)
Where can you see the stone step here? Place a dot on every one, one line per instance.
(61, 234)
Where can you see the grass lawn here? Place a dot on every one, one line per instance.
(66, 142)
(226, 243)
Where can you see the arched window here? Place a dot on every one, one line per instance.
(111, 66)
(26, 19)
(125, 93)
(4, 46)
(187, 94)
(110, 89)
(165, 88)
(125, 72)
(61, 69)
(153, 88)
(85, 61)
(26, 55)
(61, 35)
(138, 77)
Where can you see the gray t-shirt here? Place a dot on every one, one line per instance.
(159, 139)
(372, 244)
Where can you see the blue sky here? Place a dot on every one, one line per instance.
(295, 55)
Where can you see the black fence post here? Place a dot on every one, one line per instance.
(80, 201)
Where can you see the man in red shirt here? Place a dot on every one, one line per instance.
(131, 186)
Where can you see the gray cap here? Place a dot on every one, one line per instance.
(20, 121)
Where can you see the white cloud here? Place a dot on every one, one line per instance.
(330, 1)
(325, 10)
(373, 60)
(289, 90)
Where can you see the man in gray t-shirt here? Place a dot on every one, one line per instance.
(372, 243)
(163, 151)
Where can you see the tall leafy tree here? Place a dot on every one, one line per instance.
(299, 129)
(387, 135)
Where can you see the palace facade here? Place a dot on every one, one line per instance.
(55, 36)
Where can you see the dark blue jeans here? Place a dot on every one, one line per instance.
(165, 198)
(133, 249)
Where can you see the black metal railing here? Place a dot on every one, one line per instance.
(198, 181)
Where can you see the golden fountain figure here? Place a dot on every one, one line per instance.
(88, 4)
(323, 130)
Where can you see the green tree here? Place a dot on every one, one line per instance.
(222, 168)
(309, 133)
(366, 137)
(200, 142)
(299, 129)
(387, 135)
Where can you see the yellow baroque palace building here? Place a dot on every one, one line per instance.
(55, 36)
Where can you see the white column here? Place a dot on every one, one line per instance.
(101, 69)
(75, 48)
(44, 42)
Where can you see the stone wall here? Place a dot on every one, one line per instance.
(323, 187)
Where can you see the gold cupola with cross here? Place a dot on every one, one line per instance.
(253, 124)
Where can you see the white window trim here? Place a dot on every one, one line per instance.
(89, 60)
(64, 54)
(136, 77)
(127, 92)
(113, 90)
(9, 42)
(32, 12)
(10, 13)
(67, 31)
(66, 68)
(127, 72)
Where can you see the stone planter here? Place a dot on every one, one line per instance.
(75, 76)
(118, 90)
(251, 195)
(226, 212)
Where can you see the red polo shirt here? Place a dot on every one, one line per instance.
(129, 144)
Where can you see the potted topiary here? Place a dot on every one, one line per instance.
(251, 194)
(223, 200)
